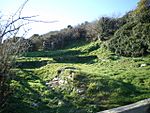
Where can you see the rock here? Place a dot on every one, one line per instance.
(55, 83)
(71, 76)
(62, 82)
(80, 90)
(103, 60)
(47, 83)
(60, 103)
(35, 104)
(55, 79)
(143, 65)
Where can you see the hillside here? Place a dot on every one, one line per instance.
(86, 68)
(81, 78)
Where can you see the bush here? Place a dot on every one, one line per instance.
(131, 40)
(107, 26)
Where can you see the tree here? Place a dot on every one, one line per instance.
(104, 28)
(92, 31)
(10, 48)
(142, 6)
(37, 42)
(132, 39)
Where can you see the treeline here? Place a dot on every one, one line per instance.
(127, 36)
(102, 29)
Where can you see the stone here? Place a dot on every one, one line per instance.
(138, 107)
(80, 90)
(35, 104)
(61, 82)
(47, 83)
(60, 103)
(143, 65)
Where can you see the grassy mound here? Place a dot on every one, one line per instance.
(79, 85)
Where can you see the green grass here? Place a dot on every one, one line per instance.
(108, 80)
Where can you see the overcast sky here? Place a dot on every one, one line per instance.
(66, 12)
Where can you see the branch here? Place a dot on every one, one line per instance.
(4, 32)
(20, 9)
(41, 21)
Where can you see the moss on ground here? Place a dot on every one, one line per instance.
(108, 81)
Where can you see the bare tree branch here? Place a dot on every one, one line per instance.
(19, 11)
(11, 46)
(41, 21)
(7, 28)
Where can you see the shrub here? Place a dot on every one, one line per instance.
(107, 26)
(131, 40)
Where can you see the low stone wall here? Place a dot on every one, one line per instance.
(138, 107)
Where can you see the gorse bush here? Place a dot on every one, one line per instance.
(133, 38)
(107, 26)
(143, 5)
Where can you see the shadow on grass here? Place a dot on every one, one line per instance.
(31, 95)
(25, 96)
(54, 53)
(75, 59)
(63, 59)
(31, 64)
(76, 43)
(116, 92)
(59, 56)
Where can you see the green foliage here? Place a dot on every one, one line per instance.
(106, 27)
(102, 29)
(85, 77)
(143, 5)
(36, 42)
(10, 48)
(93, 86)
(132, 39)
(92, 47)
(64, 37)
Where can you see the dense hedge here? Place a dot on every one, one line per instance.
(107, 26)
(133, 38)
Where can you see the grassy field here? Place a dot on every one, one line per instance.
(99, 80)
